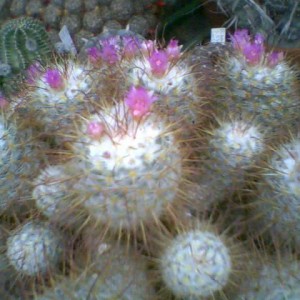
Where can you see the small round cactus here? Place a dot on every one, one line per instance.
(275, 278)
(196, 264)
(53, 197)
(22, 42)
(35, 248)
(278, 198)
(233, 148)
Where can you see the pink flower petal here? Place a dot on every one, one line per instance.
(93, 54)
(54, 78)
(95, 130)
(139, 100)
(159, 62)
(173, 50)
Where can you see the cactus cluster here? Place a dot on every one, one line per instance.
(125, 176)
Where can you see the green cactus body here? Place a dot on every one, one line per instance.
(23, 41)
(196, 265)
(131, 173)
(34, 248)
(279, 196)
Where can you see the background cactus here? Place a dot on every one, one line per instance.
(20, 161)
(112, 273)
(277, 202)
(274, 278)
(233, 147)
(86, 18)
(23, 41)
(35, 248)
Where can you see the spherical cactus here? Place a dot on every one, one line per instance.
(129, 160)
(196, 264)
(233, 148)
(275, 278)
(23, 41)
(262, 85)
(54, 198)
(277, 203)
(55, 94)
(35, 248)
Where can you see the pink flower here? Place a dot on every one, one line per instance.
(253, 53)
(54, 78)
(109, 50)
(147, 47)
(93, 54)
(173, 50)
(95, 130)
(159, 62)
(240, 39)
(130, 46)
(32, 72)
(259, 39)
(109, 54)
(139, 101)
(274, 57)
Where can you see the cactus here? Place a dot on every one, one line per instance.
(233, 148)
(34, 248)
(19, 162)
(133, 157)
(53, 198)
(190, 263)
(195, 261)
(55, 94)
(262, 87)
(112, 274)
(278, 197)
(275, 278)
(22, 42)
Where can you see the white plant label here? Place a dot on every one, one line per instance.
(66, 39)
(218, 35)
